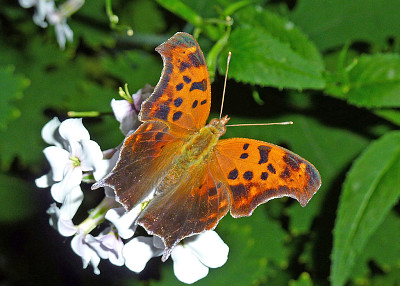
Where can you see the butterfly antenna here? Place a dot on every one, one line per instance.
(226, 77)
(261, 124)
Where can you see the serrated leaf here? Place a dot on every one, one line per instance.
(369, 192)
(15, 199)
(282, 30)
(11, 87)
(259, 58)
(333, 23)
(374, 81)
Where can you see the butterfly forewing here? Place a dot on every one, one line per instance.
(144, 157)
(183, 94)
(257, 172)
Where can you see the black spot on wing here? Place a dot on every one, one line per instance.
(203, 102)
(248, 175)
(233, 174)
(285, 174)
(212, 192)
(271, 169)
(292, 161)
(187, 79)
(162, 112)
(159, 136)
(178, 101)
(245, 146)
(195, 103)
(195, 59)
(179, 86)
(264, 151)
(244, 156)
(200, 85)
(184, 66)
(176, 115)
(264, 176)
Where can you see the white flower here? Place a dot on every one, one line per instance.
(196, 254)
(62, 224)
(88, 255)
(107, 245)
(126, 112)
(47, 13)
(125, 222)
(72, 154)
(139, 251)
(192, 257)
(63, 33)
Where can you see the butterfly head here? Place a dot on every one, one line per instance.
(219, 124)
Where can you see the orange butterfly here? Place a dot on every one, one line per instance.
(197, 178)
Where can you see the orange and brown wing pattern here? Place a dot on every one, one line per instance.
(183, 94)
(257, 172)
(144, 157)
(196, 204)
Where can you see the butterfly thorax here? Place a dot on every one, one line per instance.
(194, 152)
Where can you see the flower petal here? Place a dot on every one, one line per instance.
(73, 130)
(88, 255)
(58, 158)
(45, 181)
(124, 221)
(72, 178)
(138, 252)
(66, 227)
(71, 203)
(187, 267)
(209, 248)
(50, 133)
(90, 155)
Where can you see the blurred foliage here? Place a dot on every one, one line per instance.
(332, 67)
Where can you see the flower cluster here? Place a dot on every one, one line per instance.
(47, 13)
(75, 158)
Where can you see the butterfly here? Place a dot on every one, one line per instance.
(197, 178)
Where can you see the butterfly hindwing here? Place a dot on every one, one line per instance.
(144, 157)
(183, 95)
(194, 205)
(257, 172)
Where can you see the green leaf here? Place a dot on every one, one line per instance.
(15, 199)
(382, 247)
(333, 23)
(369, 192)
(282, 30)
(372, 81)
(259, 58)
(92, 26)
(135, 68)
(138, 15)
(304, 280)
(11, 88)
(391, 115)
